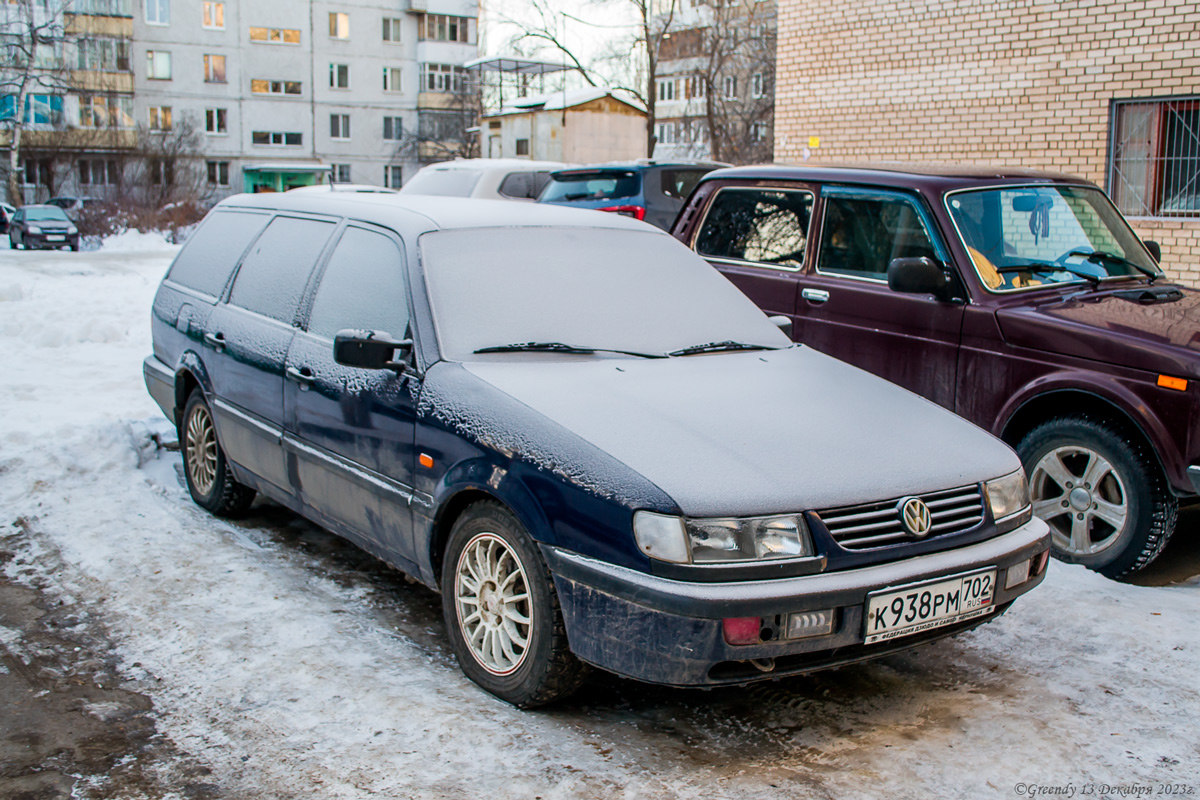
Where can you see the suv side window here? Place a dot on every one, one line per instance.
(273, 276)
(205, 262)
(764, 226)
(678, 183)
(363, 287)
(522, 185)
(862, 234)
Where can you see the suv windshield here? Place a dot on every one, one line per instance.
(45, 215)
(1027, 236)
(593, 288)
(607, 185)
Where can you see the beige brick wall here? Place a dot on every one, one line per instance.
(1006, 82)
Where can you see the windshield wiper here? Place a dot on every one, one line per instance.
(1045, 266)
(716, 347)
(1097, 256)
(559, 347)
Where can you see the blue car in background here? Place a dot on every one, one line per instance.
(647, 190)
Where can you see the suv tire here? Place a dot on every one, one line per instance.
(1107, 503)
(502, 613)
(209, 479)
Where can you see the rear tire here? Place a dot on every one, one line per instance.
(1107, 503)
(502, 613)
(209, 479)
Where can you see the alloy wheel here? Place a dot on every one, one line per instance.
(1079, 494)
(201, 449)
(493, 604)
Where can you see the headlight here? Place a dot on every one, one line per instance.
(721, 539)
(1008, 495)
(34, 229)
(72, 230)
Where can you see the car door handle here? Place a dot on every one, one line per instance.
(216, 340)
(814, 295)
(302, 376)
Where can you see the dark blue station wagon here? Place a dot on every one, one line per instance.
(590, 442)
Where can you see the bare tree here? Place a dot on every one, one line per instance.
(167, 167)
(33, 36)
(739, 73)
(449, 131)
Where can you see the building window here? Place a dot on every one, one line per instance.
(758, 131)
(339, 25)
(443, 28)
(103, 8)
(666, 89)
(275, 139)
(665, 131)
(214, 16)
(214, 69)
(218, 173)
(731, 87)
(160, 118)
(392, 79)
(1154, 166)
(40, 109)
(391, 29)
(339, 173)
(522, 147)
(158, 12)
(392, 176)
(694, 86)
(162, 172)
(106, 111)
(442, 78)
(393, 128)
(98, 172)
(214, 121)
(756, 85)
(158, 65)
(103, 54)
(264, 86)
(339, 126)
(275, 35)
(339, 76)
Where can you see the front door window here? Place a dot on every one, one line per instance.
(861, 235)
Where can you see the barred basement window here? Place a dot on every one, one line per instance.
(1154, 161)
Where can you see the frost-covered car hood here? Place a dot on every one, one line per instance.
(1113, 327)
(750, 433)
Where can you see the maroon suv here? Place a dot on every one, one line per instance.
(1020, 300)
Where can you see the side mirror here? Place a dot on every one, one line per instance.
(783, 323)
(917, 276)
(370, 350)
(1155, 250)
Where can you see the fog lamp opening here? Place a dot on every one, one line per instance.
(741, 630)
(802, 624)
(1018, 574)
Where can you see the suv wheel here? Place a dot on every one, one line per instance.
(502, 613)
(1107, 503)
(209, 479)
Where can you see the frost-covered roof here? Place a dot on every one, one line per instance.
(556, 101)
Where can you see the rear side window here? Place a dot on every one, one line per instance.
(678, 183)
(213, 251)
(272, 277)
(592, 186)
(766, 226)
(861, 235)
(524, 185)
(363, 287)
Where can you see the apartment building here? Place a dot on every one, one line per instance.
(293, 93)
(715, 82)
(1105, 89)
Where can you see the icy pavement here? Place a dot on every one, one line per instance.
(292, 665)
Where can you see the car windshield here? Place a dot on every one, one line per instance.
(45, 215)
(1026, 236)
(443, 182)
(606, 185)
(635, 291)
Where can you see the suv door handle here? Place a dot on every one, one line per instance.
(303, 376)
(216, 340)
(814, 295)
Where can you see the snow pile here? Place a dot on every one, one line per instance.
(134, 241)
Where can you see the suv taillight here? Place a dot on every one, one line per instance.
(637, 212)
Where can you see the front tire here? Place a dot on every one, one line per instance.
(209, 479)
(1103, 495)
(502, 613)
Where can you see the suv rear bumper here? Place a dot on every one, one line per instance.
(670, 632)
(160, 382)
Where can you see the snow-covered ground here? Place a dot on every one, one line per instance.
(296, 667)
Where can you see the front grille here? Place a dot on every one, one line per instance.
(878, 524)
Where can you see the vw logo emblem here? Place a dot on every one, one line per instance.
(914, 515)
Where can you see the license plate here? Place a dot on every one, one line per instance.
(902, 612)
(55, 238)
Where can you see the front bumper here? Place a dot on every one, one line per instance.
(41, 240)
(670, 632)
